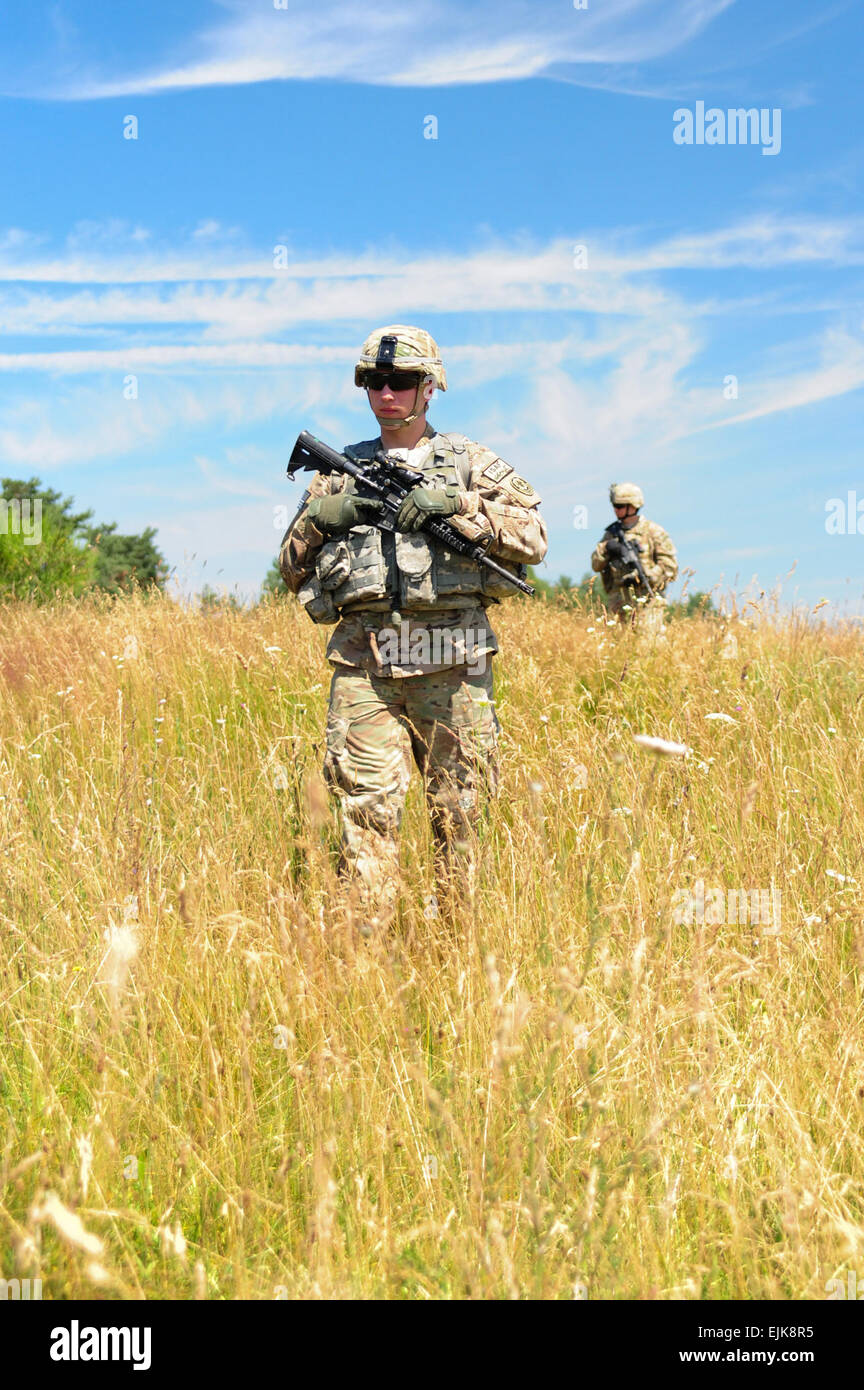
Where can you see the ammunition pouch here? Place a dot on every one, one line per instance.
(318, 602)
(408, 570)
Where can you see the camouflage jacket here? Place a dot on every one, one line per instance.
(494, 502)
(658, 555)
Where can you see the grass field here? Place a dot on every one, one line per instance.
(211, 1087)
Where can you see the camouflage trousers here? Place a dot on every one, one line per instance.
(645, 618)
(446, 723)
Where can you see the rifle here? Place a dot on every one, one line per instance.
(629, 554)
(381, 477)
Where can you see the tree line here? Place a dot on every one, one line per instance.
(75, 556)
(46, 546)
(590, 592)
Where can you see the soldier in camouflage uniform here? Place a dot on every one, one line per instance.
(429, 694)
(628, 596)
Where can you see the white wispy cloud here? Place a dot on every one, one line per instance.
(241, 482)
(838, 370)
(506, 275)
(95, 422)
(612, 372)
(211, 530)
(167, 356)
(429, 43)
(763, 242)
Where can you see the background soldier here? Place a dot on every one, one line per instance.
(435, 700)
(628, 596)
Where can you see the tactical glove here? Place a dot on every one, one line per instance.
(613, 550)
(423, 502)
(339, 512)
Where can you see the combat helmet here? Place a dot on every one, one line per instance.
(401, 347)
(626, 495)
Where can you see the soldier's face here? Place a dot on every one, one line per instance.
(624, 511)
(393, 402)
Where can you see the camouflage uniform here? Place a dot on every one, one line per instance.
(631, 602)
(430, 696)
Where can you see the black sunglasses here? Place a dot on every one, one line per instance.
(397, 381)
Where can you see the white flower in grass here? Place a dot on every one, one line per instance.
(173, 1241)
(661, 746)
(66, 1223)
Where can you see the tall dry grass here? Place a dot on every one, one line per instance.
(212, 1088)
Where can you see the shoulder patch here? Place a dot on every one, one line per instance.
(521, 490)
(496, 470)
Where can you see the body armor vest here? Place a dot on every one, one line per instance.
(378, 571)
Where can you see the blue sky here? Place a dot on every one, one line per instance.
(303, 127)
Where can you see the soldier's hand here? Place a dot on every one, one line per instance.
(339, 512)
(613, 549)
(424, 502)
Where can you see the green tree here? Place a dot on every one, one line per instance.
(124, 561)
(213, 600)
(46, 546)
(695, 605)
(273, 582)
(587, 593)
(43, 543)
